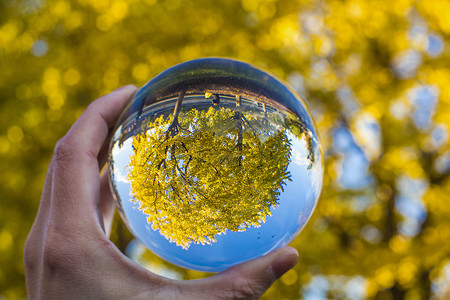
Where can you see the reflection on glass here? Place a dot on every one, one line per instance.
(199, 172)
(215, 162)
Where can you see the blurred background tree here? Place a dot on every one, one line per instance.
(375, 74)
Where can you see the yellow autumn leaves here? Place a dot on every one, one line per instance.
(214, 175)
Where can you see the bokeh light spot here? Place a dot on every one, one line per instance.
(39, 48)
(290, 277)
(15, 134)
(141, 72)
(72, 76)
(6, 240)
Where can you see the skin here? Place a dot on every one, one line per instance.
(68, 254)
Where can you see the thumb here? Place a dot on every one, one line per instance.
(249, 280)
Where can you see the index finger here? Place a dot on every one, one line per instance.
(76, 175)
(90, 131)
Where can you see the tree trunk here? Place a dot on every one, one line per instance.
(239, 126)
(173, 127)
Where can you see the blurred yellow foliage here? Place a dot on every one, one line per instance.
(375, 74)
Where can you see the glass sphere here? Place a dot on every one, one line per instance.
(215, 162)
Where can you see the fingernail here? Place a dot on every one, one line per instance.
(125, 87)
(284, 262)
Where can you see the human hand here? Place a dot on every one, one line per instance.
(68, 254)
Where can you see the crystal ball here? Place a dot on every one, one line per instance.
(215, 162)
